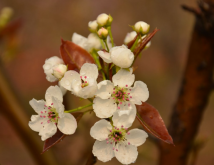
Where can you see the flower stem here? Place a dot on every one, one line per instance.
(135, 43)
(105, 41)
(96, 59)
(79, 108)
(110, 34)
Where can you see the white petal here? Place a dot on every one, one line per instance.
(71, 81)
(104, 108)
(124, 118)
(105, 56)
(139, 93)
(123, 78)
(100, 130)
(53, 91)
(36, 123)
(48, 67)
(88, 91)
(105, 89)
(67, 124)
(94, 41)
(122, 56)
(103, 151)
(79, 40)
(126, 154)
(38, 106)
(63, 90)
(136, 137)
(89, 70)
(57, 104)
(47, 131)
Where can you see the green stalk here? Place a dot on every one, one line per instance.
(135, 43)
(110, 35)
(96, 59)
(105, 41)
(78, 109)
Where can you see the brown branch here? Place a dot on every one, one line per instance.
(15, 114)
(195, 90)
(91, 159)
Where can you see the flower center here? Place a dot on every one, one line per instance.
(117, 136)
(84, 81)
(50, 113)
(121, 95)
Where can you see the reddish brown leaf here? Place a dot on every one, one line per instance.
(59, 135)
(74, 56)
(151, 120)
(142, 44)
(10, 28)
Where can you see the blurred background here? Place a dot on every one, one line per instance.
(161, 66)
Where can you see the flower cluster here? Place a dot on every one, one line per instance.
(114, 98)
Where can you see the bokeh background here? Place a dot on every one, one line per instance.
(160, 67)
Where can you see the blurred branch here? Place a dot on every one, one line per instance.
(196, 87)
(91, 159)
(18, 119)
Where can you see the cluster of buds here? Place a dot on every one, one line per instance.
(114, 98)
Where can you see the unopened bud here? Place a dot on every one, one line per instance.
(104, 20)
(141, 27)
(102, 33)
(6, 14)
(93, 25)
(59, 70)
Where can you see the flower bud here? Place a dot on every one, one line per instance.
(104, 20)
(141, 27)
(102, 33)
(6, 14)
(93, 25)
(122, 56)
(59, 70)
(129, 37)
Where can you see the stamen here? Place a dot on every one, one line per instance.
(116, 149)
(81, 77)
(85, 76)
(128, 133)
(51, 103)
(41, 122)
(128, 143)
(126, 85)
(118, 107)
(113, 148)
(130, 96)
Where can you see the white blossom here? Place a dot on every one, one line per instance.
(50, 115)
(103, 33)
(119, 55)
(81, 84)
(93, 25)
(102, 19)
(115, 140)
(92, 42)
(119, 94)
(49, 66)
(141, 27)
(59, 70)
(130, 36)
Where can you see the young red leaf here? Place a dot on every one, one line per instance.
(59, 135)
(142, 44)
(132, 41)
(10, 28)
(74, 56)
(151, 120)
